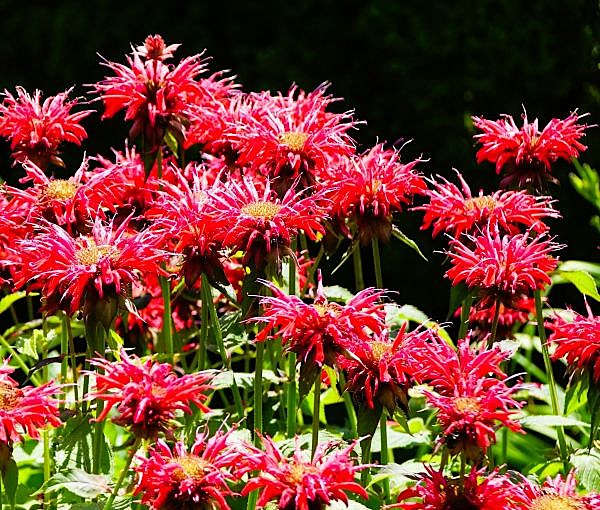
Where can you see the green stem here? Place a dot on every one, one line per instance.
(64, 351)
(350, 411)
(258, 392)
(504, 445)
(495, 321)
(216, 327)
(377, 263)
(562, 444)
(291, 395)
(71, 347)
(99, 343)
(316, 414)
(465, 310)
(384, 452)
(22, 365)
(124, 471)
(167, 331)
(358, 272)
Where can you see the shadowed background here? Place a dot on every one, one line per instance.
(412, 71)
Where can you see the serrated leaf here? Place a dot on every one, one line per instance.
(337, 504)
(584, 282)
(549, 420)
(580, 265)
(587, 465)
(399, 474)
(337, 293)
(80, 483)
(7, 301)
(243, 379)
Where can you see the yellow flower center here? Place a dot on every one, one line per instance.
(379, 349)
(297, 472)
(59, 189)
(262, 210)
(89, 254)
(466, 404)
(9, 396)
(293, 140)
(323, 310)
(190, 467)
(375, 185)
(556, 502)
(480, 203)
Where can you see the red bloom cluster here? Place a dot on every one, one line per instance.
(526, 154)
(36, 129)
(197, 478)
(147, 394)
(299, 483)
(25, 410)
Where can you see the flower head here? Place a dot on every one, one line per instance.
(196, 479)
(368, 190)
(469, 392)
(526, 154)
(155, 48)
(147, 394)
(36, 129)
(502, 267)
(577, 340)
(298, 483)
(25, 410)
(456, 211)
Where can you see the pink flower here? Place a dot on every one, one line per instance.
(526, 154)
(36, 129)
(456, 211)
(469, 393)
(147, 394)
(25, 410)
(154, 48)
(368, 190)
(502, 267)
(577, 340)
(197, 478)
(299, 483)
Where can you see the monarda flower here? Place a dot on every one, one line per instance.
(469, 392)
(477, 491)
(481, 319)
(555, 494)
(195, 480)
(36, 129)
(320, 331)
(261, 224)
(456, 211)
(153, 95)
(577, 340)
(368, 190)
(378, 370)
(91, 274)
(147, 394)
(502, 267)
(526, 155)
(293, 137)
(298, 483)
(155, 48)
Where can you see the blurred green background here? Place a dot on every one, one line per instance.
(413, 70)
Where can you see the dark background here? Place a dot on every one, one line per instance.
(413, 70)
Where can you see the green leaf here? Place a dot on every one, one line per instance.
(458, 293)
(171, 142)
(80, 483)
(584, 282)
(398, 234)
(397, 439)
(10, 479)
(587, 465)
(7, 301)
(337, 293)
(115, 342)
(243, 379)
(550, 420)
(338, 504)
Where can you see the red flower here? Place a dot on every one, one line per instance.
(578, 340)
(36, 129)
(147, 394)
(154, 95)
(454, 210)
(469, 392)
(194, 479)
(477, 491)
(502, 267)
(88, 273)
(299, 483)
(154, 48)
(261, 224)
(379, 369)
(25, 410)
(526, 154)
(292, 138)
(481, 317)
(368, 190)
(318, 332)
(555, 493)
